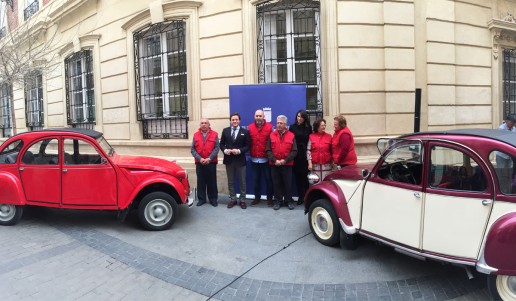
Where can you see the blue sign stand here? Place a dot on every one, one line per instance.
(274, 100)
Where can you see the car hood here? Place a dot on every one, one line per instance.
(351, 172)
(147, 163)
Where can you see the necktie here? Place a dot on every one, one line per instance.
(234, 134)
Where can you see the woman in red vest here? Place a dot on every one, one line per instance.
(318, 151)
(343, 144)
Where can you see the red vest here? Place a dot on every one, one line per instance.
(281, 146)
(321, 148)
(259, 139)
(204, 148)
(336, 148)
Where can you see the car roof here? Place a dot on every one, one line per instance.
(508, 137)
(87, 132)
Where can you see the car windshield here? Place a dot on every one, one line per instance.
(401, 149)
(108, 149)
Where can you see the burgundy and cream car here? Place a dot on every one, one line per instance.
(448, 196)
(78, 169)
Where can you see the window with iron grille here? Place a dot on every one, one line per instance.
(31, 7)
(161, 80)
(80, 96)
(6, 111)
(289, 47)
(509, 82)
(34, 100)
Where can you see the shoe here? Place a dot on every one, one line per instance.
(276, 206)
(200, 203)
(231, 203)
(291, 205)
(243, 205)
(300, 201)
(255, 202)
(214, 203)
(270, 203)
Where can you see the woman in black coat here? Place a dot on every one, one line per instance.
(302, 130)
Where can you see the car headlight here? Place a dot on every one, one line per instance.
(313, 178)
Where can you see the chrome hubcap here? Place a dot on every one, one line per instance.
(158, 212)
(511, 284)
(322, 223)
(7, 212)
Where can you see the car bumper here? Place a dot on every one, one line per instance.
(190, 199)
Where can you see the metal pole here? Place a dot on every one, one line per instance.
(417, 111)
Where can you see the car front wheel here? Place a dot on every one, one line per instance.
(502, 287)
(157, 211)
(324, 222)
(10, 214)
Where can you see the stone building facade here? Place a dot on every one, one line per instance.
(145, 72)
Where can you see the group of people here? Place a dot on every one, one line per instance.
(275, 155)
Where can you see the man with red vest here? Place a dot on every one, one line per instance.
(260, 130)
(205, 148)
(281, 151)
(342, 143)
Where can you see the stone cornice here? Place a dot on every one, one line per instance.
(84, 39)
(501, 30)
(167, 5)
(257, 2)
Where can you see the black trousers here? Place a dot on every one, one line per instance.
(206, 181)
(282, 183)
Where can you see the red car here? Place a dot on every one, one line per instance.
(78, 169)
(447, 196)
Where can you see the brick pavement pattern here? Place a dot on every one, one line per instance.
(63, 261)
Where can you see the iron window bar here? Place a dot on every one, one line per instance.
(161, 80)
(289, 47)
(34, 100)
(30, 10)
(509, 82)
(80, 93)
(6, 112)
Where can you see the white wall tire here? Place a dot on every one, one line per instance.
(324, 222)
(502, 287)
(157, 211)
(10, 214)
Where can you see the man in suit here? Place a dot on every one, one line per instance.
(234, 143)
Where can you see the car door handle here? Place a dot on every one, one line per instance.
(417, 194)
(486, 202)
(22, 169)
(65, 170)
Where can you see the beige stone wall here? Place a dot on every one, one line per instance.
(374, 54)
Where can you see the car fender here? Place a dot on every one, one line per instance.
(161, 179)
(11, 191)
(331, 191)
(500, 245)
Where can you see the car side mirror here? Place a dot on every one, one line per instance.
(365, 173)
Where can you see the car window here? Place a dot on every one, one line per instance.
(503, 164)
(403, 163)
(455, 170)
(9, 154)
(80, 152)
(43, 152)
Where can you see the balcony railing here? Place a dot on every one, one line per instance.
(31, 10)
